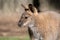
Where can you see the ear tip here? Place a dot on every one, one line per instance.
(30, 5)
(22, 5)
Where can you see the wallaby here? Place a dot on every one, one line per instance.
(41, 26)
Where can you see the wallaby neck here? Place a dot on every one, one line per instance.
(33, 28)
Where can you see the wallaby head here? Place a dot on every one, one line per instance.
(27, 16)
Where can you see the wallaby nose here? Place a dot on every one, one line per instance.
(19, 24)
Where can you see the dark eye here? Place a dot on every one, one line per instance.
(26, 9)
(26, 17)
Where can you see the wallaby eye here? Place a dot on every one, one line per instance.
(26, 17)
(26, 9)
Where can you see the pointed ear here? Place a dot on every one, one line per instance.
(25, 7)
(33, 9)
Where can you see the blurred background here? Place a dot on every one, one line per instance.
(11, 10)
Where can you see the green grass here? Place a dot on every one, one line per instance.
(14, 38)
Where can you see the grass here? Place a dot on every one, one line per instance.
(14, 38)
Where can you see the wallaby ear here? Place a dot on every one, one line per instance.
(25, 7)
(33, 9)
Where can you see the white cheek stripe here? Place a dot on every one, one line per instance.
(26, 23)
(36, 39)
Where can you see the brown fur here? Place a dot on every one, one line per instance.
(47, 24)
